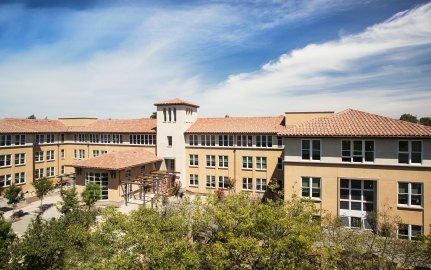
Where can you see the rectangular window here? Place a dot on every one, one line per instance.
(210, 181)
(357, 151)
(222, 182)
(225, 140)
(19, 159)
(100, 179)
(247, 183)
(164, 114)
(410, 194)
(62, 169)
(38, 173)
(20, 178)
(194, 160)
(263, 141)
(50, 171)
(62, 138)
(280, 141)
(38, 156)
(5, 180)
(169, 140)
(260, 163)
(117, 138)
(81, 153)
(5, 140)
(50, 155)
(223, 161)
(247, 162)
(105, 138)
(50, 138)
(208, 140)
(310, 149)
(193, 140)
(94, 138)
(19, 139)
(244, 141)
(75, 154)
(280, 163)
(210, 161)
(5, 160)
(96, 153)
(40, 138)
(410, 152)
(409, 231)
(260, 185)
(357, 195)
(145, 139)
(194, 181)
(102, 152)
(310, 187)
(63, 154)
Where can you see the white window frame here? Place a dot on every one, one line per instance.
(39, 173)
(38, 156)
(193, 160)
(193, 140)
(19, 178)
(310, 187)
(223, 161)
(280, 163)
(105, 138)
(225, 140)
(5, 180)
(410, 151)
(210, 161)
(247, 162)
(409, 234)
(100, 179)
(210, 183)
(261, 185)
(20, 139)
(261, 163)
(193, 180)
(63, 153)
(50, 138)
(247, 183)
(19, 159)
(409, 194)
(81, 154)
(62, 169)
(208, 140)
(352, 155)
(244, 141)
(264, 141)
(5, 140)
(310, 151)
(117, 138)
(5, 161)
(222, 182)
(96, 153)
(50, 155)
(50, 171)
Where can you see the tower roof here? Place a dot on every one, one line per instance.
(176, 101)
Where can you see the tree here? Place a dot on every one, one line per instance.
(42, 187)
(70, 200)
(153, 115)
(91, 194)
(14, 195)
(6, 238)
(426, 121)
(31, 117)
(409, 118)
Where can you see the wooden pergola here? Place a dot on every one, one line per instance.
(160, 182)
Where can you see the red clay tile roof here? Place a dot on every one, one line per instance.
(144, 125)
(15, 125)
(354, 123)
(245, 125)
(118, 160)
(176, 101)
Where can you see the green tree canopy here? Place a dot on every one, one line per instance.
(91, 194)
(6, 238)
(426, 121)
(14, 195)
(70, 200)
(42, 187)
(409, 118)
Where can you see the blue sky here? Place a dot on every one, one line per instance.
(250, 57)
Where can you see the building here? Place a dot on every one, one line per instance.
(349, 163)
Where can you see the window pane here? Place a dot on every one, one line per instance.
(356, 184)
(305, 144)
(315, 193)
(403, 187)
(345, 221)
(357, 147)
(305, 182)
(344, 183)
(416, 146)
(305, 154)
(416, 157)
(369, 146)
(345, 146)
(403, 146)
(369, 207)
(368, 184)
(305, 192)
(402, 199)
(344, 194)
(403, 158)
(344, 205)
(416, 230)
(356, 195)
(416, 200)
(355, 222)
(369, 196)
(416, 188)
(316, 182)
(369, 156)
(356, 206)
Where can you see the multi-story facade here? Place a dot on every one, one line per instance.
(349, 163)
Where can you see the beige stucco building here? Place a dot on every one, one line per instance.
(350, 164)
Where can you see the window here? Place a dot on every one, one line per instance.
(310, 187)
(169, 140)
(310, 149)
(81, 138)
(260, 185)
(410, 152)
(357, 151)
(5, 180)
(5, 140)
(225, 140)
(19, 139)
(210, 181)
(175, 114)
(38, 173)
(20, 178)
(19, 159)
(280, 163)
(260, 163)
(244, 141)
(247, 183)
(38, 156)
(263, 141)
(50, 138)
(164, 114)
(357, 195)
(94, 138)
(96, 153)
(210, 161)
(194, 181)
(280, 141)
(102, 152)
(75, 153)
(410, 194)
(81, 153)
(208, 140)
(145, 139)
(117, 138)
(62, 170)
(223, 161)
(170, 114)
(100, 179)
(128, 173)
(170, 164)
(62, 138)
(5, 160)
(193, 140)
(40, 138)
(409, 231)
(50, 171)
(194, 160)
(222, 182)
(105, 138)
(62, 153)
(50, 155)
(247, 162)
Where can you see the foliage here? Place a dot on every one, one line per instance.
(91, 194)
(70, 200)
(31, 117)
(409, 118)
(153, 115)
(6, 238)
(42, 187)
(14, 195)
(274, 192)
(426, 121)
